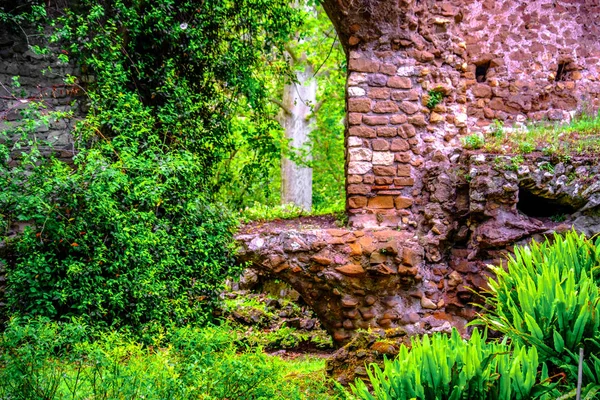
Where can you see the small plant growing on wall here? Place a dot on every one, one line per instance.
(472, 142)
(435, 97)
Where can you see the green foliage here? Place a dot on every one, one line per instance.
(43, 360)
(473, 141)
(130, 235)
(442, 367)
(526, 147)
(435, 97)
(548, 298)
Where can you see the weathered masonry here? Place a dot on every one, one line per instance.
(425, 215)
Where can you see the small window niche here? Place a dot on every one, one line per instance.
(561, 72)
(481, 71)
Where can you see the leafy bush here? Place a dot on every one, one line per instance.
(442, 367)
(130, 235)
(435, 98)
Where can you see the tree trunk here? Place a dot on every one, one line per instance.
(296, 180)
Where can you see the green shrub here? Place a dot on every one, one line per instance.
(442, 367)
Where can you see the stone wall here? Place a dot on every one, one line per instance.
(513, 61)
(41, 79)
(475, 209)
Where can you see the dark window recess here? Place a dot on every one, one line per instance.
(536, 206)
(481, 71)
(561, 73)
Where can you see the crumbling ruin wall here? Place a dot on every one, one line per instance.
(426, 217)
(512, 61)
(41, 85)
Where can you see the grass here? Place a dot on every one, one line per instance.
(45, 360)
(579, 137)
(262, 212)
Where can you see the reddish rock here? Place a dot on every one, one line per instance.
(384, 107)
(351, 270)
(359, 189)
(359, 104)
(399, 82)
(403, 202)
(381, 202)
(380, 145)
(399, 145)
(357, 201)
(404, 170)
(376, 119)
(362, 131)
(363, 65)
(387, 131)
(379, 93)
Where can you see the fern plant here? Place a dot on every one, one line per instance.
(442, 367)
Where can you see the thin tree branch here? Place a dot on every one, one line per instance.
(285, 109)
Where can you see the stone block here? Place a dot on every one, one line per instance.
(351, 270)
(380, 145)
(360, 154)
(409, 108)
(379, 93)
(355, 91)
(404, 181)
(400, 145)
(359, 167)
(354, 118)
(357, 202)
(387, 131)
(403, 202)
(381, 202)
(363, 65)
(354, 141)
(359, 104)
(361, 131)
(407, 131)
(404, 170)
(376, 119)
(399, 82)
(383, 158)
(385, 107)
(384, 170)
(358, 189)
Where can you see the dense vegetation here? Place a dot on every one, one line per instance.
(545, 304)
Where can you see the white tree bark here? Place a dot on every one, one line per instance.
(296, 180)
